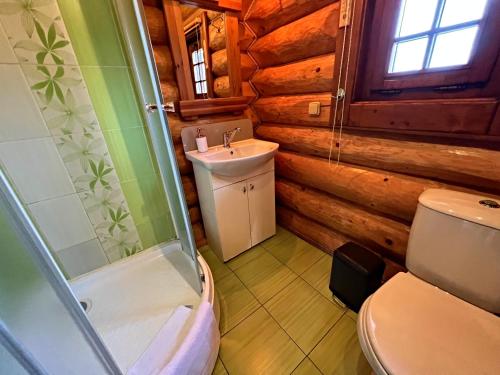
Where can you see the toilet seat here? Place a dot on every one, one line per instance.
(412, 327)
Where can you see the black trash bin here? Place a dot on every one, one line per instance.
(356, 274)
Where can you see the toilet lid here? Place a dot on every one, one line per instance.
(416, 328)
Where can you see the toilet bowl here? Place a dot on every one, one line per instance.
(439, 318)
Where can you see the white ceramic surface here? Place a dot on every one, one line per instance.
(241, 158)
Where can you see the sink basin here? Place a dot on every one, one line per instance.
(241, 158)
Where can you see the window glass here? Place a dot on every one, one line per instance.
(460, 11)
(453, 48)
(408, 55)
(416, 16)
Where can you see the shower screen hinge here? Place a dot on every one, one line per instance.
(167, 107)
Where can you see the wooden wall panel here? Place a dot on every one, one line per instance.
(464, 166)
(306, 76)
(310, 36)
(268, 15)
(294, 109)
(323, 237)
(388, 236)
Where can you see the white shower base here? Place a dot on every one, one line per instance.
(131, 300)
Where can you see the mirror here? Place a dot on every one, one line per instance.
(206, 56)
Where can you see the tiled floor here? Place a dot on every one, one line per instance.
(277, 314)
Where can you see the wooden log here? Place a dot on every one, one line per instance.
(217, 36)
(294, 109)
(233, 53)
(323, 237)
(185, 166)
(219, 63)
(195, 214)
(246, 37)
(248, 66)
(382, 234)
(465, 166)
(247, 90)
(156, 25)
(267, 15)
(221, 87)
(199, 234)
(310, 36)
(250, 114)
(306, 76)
(190, 192)
(170, 91)
(164, 63)
(389, 193)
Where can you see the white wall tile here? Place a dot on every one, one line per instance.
(20, 117)
(36, 169)
(82, 258)
(6, 53)
(63, 221)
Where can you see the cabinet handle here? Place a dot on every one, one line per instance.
(251, 186)
(244, 189)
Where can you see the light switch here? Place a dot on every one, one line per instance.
(314, 108)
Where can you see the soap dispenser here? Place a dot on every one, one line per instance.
(201, 141)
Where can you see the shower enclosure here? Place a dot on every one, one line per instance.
(92, 300)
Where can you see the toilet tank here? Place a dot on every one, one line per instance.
(455, 244)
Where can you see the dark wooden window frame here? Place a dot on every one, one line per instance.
(458, 114)
(380, 48)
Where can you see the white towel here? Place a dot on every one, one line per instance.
(198, 351)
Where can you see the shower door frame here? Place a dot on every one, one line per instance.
(144, 71)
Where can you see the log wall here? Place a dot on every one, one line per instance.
(371, 194)
(165, 67)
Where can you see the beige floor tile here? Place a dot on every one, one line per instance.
(339, 352)
(219, 368)
(236, 302)
(281, 235)
(259, 346)
(352, 314)
(318, 275)
(218, 268)
(265, 276)
(204, 249)
(303, 313)
(245, 257)
(306, 367)
(295, 253)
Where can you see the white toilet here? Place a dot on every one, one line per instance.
(439, 318)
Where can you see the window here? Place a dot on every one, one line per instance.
(411, 45)
(199, 72)
(423, 67)
(435, 34)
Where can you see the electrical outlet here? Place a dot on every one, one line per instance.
(314, 108)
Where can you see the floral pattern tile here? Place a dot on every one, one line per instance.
(36, 32)
(38, 37)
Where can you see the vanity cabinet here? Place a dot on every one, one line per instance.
(238, 212)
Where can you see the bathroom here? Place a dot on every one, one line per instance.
(178, 177)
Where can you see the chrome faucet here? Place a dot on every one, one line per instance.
(229, 135)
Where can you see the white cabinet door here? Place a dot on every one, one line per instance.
(262, 207)
(231, 206)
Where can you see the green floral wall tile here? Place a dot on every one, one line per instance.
(39, 40)
(98, 42)
(113, 96)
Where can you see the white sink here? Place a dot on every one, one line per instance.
(241, 158)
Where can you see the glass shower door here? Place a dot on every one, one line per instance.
(136, 37)
(37, 307)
